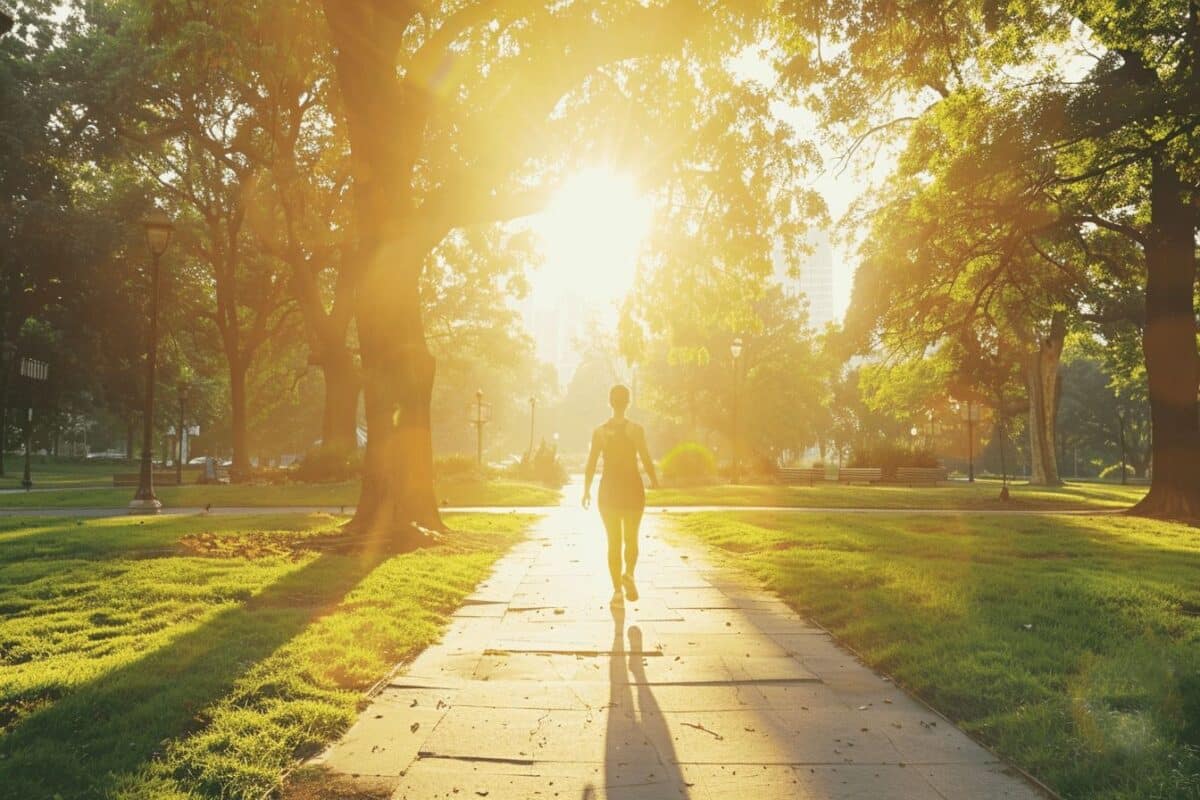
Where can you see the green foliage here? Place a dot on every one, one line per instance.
(688, 464)
(1113, 472)
(197, 657)
(779, 383)
(459, 467)
(479, 339)
(1049, 168)
(328, 465)
(1069, 644)
(1104, 405)
(542, 466)
(888, 457)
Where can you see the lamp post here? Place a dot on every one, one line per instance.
(181, 434)
(32, 370)
(970, 413)
(480, 414)
(532, 411)
(158, 229)
(735, 350)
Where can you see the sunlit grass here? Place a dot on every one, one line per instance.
(199, 656)
(468, 493)
(1070, 644)
(981, 495)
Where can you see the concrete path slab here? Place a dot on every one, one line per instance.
(707, 687)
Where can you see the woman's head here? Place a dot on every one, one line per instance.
(618, 398)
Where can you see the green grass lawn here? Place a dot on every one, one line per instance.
(191, 657)
(1070, 644)
(982, 495)
(472, 493)
(52, 472)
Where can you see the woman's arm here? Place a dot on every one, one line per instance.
(647, 461)
(589, 473)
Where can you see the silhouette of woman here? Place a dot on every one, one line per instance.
(622, 496)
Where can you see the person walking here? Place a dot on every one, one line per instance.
(622, 500)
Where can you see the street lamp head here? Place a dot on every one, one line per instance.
(158, 231)
(913, 430)
(735, 348)
(479, 394)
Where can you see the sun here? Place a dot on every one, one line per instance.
(591, 234)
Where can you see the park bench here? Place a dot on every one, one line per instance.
(133, 478)
(800, 475)
(914, 475)
(860, 475)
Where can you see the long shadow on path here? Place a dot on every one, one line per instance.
(639, 759)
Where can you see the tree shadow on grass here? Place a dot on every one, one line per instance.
(80, 745)
(70, 538)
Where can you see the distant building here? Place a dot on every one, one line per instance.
(815, 280)
(555, 327)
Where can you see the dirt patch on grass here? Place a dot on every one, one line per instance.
(318, 783)
(15, 709)
(249, 545)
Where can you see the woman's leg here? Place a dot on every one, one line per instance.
(633, 521)
(612, 527)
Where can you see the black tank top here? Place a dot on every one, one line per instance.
(621, 482)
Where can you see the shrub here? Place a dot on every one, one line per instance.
(459, 469)
(1113, 473)
(321, 465)
(751, 468)
(542, 467)
(689, 464)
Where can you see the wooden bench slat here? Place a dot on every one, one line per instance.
(807, 475)
(920, 474)
(860, 474)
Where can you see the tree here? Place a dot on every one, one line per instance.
(1113, 151)
(451, 112)
(229, 107)
(950, 263)
(477, 337)
(80, 290)
(1105, 413)
(732, 212)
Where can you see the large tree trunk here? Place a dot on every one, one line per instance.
(398, 372)
(240, 469)
(1041, 379)
(339, 420)
(3, 410)
(328, 351)
(385, 123)
(1169, 343)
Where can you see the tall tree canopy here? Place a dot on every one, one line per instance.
(1051, 157)
(463, 115)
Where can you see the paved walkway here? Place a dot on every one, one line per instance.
(707, 687)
